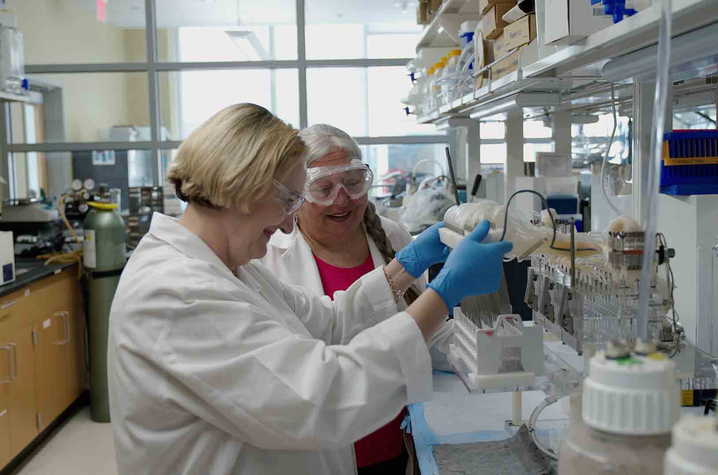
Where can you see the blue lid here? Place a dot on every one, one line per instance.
(25, 84)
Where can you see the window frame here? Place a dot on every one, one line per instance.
(153, 67)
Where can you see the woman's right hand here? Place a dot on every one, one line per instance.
(473, 268)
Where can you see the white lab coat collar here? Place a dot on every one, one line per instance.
(296, 254)
(170, 231)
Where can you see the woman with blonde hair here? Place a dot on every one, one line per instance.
(338, 238)
(215, 366)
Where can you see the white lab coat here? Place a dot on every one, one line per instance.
(291, 259)
(212, 373)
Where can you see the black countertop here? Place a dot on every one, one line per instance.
(30, 270)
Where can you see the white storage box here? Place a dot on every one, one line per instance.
(569, 21)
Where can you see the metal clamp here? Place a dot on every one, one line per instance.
(65, 320)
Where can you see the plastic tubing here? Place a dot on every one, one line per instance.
(608, 151)
(654, 167)
(532, 426)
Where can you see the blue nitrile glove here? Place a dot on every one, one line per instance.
(472, 268)
(425, 251)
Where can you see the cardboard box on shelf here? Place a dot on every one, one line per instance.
(569, 21)
(434, 6)
(499, 47)
(484, 5)
(520, 32)
(492, 24)
(508, 64)
(422, 13)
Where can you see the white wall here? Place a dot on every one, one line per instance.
(690, 224)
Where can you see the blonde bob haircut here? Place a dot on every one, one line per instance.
(233, 158)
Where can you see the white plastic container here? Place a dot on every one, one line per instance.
(12, 62)
(695, 447)
(435, 86)
(427, 92)
(629, 407)
(449, 76)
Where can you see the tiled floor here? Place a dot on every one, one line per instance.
(79, 447)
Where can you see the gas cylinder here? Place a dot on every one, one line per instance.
(104, 257)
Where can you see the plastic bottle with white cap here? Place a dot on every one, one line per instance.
(695, 447)
(630, 403)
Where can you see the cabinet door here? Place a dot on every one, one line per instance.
(5, 450)
(60, 361)
(5, 379)
(23, 417)
(51, 331)
(74, 351)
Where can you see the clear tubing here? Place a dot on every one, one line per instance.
(532, 426)
(659, 113)
(608, 150)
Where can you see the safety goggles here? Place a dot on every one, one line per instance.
(291, 200)
(323, 183)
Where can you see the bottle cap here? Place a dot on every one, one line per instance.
(631, 396)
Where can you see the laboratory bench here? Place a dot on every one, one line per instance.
(457, 415)
(43, 364)
(28, 271)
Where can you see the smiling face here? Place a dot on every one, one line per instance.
(328, 224)
(249, 233)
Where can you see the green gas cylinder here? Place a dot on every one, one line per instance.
(104, 257)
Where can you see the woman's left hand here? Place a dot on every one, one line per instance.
(426, 250)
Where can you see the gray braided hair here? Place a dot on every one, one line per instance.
(372, 223)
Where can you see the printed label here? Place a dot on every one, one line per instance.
(89, 249)
(670, 162)
(46, 324)
(687, 398)
(511, 360)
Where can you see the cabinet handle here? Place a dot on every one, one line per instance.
(7, 304)
(66, 324)
(9, 365)
(14, 354)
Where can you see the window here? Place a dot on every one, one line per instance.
(350, 30)
(589, 141)
(362, 101)
(210, 54)
(393, 165)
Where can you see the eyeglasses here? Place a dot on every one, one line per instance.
(291, 200)
(323, 183)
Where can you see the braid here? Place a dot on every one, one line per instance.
(372, 223)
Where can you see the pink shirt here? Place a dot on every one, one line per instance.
(387, 442)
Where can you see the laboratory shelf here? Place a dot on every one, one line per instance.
(443, 30)
(631, 34)
(561, 68)
(10, 97)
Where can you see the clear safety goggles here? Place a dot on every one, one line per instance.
(323, 183)
(291, 201)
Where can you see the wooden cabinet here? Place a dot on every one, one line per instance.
(23, 415)
(5, 379)
(42, 358)
(59, 362)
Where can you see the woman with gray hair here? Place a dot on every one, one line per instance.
(337, 239)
